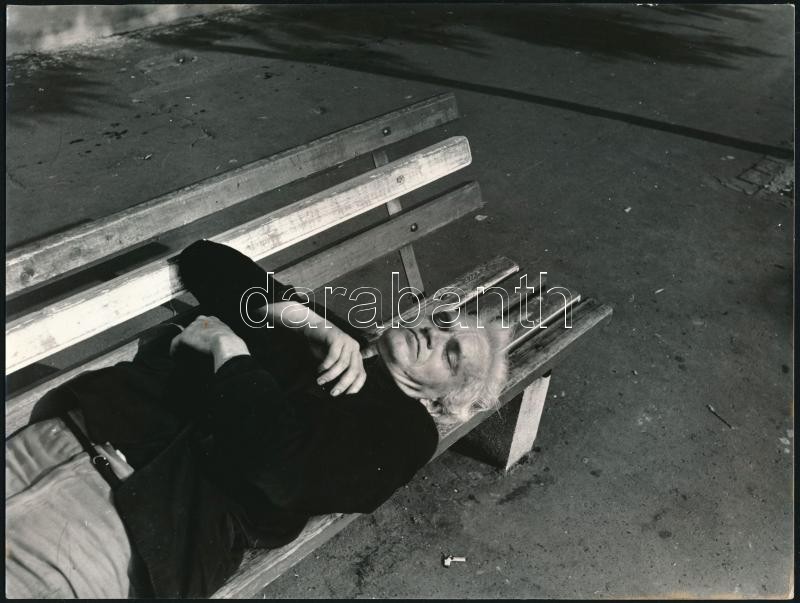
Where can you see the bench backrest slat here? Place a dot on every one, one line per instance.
(385, 238)
(312, 272)
(78, 317)
(58, 254)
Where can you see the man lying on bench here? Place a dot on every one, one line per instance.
(223, 437)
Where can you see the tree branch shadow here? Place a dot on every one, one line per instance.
(603, 32)
(41, 87)
(367, 34)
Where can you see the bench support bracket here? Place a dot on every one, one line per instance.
(410, 266)
(504, 438)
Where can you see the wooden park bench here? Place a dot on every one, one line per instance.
(113, 304)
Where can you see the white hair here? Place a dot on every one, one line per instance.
(482, 387)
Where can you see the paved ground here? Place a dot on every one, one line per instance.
(609, 142)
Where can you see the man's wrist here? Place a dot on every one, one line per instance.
(226, 347)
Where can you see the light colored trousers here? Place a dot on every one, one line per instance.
(64, 538)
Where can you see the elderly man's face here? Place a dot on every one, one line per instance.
(427, 361)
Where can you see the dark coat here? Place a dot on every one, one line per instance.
(242, 457)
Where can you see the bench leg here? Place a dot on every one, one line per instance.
(507, 436)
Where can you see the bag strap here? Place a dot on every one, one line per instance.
(99, 461)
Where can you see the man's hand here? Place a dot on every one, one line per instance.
(209, 335)
(341, 358)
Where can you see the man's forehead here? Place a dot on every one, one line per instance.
(474, 343)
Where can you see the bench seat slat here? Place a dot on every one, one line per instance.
(531, 360)
(534, 357)
(543, 309)
(58, 254)
(260, 567)
(486, 275)
(80, 316)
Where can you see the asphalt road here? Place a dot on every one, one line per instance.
(611, 143)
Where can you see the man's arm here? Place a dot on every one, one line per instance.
(304, 454)
(339, 353)
(209, 335)
(218, 276)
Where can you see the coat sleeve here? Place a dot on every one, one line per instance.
(317, 455)
(218, 276)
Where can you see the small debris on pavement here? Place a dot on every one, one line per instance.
(480, 217)
(657, 291)
(148, 156)
(628, 209)
(714, 412)
(450, 559)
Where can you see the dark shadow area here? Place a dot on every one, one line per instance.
(317, 36)
(33, 373)
(317, 33)
(610, 33)
(54, 403)
(606, 33)
(472, 449)
(714, 12)
(40, 87)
